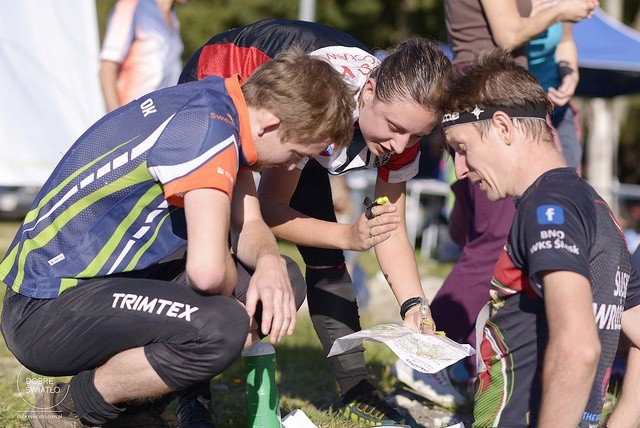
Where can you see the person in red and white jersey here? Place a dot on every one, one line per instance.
(394, 111)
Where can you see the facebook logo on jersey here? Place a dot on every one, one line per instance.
(550, 214)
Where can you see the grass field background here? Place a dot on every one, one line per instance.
(303, 377)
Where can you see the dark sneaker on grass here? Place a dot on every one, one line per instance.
(196, 413)
(149, 418)
(45, 414)
(370, 409)
(146, 414)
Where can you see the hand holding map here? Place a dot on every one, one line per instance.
(425, 353)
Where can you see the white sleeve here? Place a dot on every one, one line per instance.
(120, 32)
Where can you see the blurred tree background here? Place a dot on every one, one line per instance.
(380, 24)
(377, 23)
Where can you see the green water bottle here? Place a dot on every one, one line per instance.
(263, 399)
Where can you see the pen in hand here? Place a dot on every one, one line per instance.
(424, 318)
(370, 204)
(424, 310)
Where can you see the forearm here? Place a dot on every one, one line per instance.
(566, 384)
(627, 411)
(511, 31)
(290, 225)
(567, 56)
(230, 278)
(566, 51)
(395, 255)
(255, 242)
(398, 264)
(535, 24)
(108, 81)
(530, 28)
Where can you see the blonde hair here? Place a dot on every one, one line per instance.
(307, 94)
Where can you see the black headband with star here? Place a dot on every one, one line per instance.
(534, 111)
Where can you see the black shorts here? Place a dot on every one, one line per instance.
(188, 337)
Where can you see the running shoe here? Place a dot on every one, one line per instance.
(146, 418)
(45, 414)
(145, 414)
(371, 409)
(435, 387)
(196, 413)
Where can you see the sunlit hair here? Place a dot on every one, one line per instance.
(416, 69)
(309, 97)
(496, 80)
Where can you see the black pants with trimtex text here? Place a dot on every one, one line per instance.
(187, 337)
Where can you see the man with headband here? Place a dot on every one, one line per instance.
(564, 287)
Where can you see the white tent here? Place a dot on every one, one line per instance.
(50, 88)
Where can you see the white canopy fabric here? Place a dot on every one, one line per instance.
(49, 87)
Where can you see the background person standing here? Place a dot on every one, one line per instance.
(141, 51)
(479, 226)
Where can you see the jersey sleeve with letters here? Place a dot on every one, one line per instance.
(241, 50)
(561, 224)
(113, 204)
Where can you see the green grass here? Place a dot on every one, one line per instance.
(11, 405)
(7, 231)
(303, 376)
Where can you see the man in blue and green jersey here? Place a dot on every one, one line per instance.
(121, 273)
